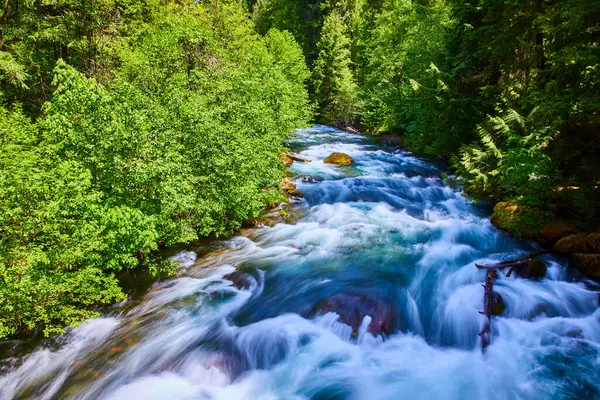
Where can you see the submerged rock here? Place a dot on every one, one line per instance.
(339, 159)
(588, 264)
(575, 243)
(534, 268)
(352, 308)
(311, 179)
(240, 280)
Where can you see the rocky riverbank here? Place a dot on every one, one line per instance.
(563, 236)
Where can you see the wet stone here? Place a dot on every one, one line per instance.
(534, 269)
(352, 308)
(240, 280)
(498, 305)
(593, 241)
(339, 159)
(588, 264)
(575, 243)
(311, 179)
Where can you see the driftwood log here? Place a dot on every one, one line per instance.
(514, 264)
(488, 300)
(296, 158)
(488, 289)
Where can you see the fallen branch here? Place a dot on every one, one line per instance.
(514, 264)
(488, 295)
(488, 299)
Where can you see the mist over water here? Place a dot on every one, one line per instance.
(371, 294)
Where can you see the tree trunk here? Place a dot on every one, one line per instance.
(3, 22)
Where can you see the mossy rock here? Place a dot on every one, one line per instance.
(498, 305)
(339, 159)
(575, 243)
(553, 231)
(520, 221)
(529, 223)
(593, 240)
(534, 269)
(588, 264)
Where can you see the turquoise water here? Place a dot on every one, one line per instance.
(371, 294)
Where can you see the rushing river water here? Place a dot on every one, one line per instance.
(371, 294)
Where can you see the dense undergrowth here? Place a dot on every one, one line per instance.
(127, 126)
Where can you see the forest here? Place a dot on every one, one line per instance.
(127, 126)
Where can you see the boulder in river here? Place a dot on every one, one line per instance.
(575, 243)
(311, 179)
(352, 308)
(498, 305)
(391, 140)
(588, 264)
(533, 269)
(339, 159)
(240, 280)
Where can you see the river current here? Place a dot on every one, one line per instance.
(371, 293)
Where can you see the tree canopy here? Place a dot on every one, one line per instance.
(507, 91)
(126, 127)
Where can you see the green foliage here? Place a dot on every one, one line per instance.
(508, 161)
(51, 251)
(180, 139)
(507, 89)
(404, 88)
(542, 63)
(335, 88)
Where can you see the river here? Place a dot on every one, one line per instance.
(371, 293)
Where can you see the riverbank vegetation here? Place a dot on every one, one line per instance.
(130, 125)
(508, 91)
(126, 126)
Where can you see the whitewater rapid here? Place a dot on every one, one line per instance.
(257, 316)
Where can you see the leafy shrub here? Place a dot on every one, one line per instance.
(182, 141)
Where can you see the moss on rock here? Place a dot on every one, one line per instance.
(588, 264)
(339, 159)
(520, 221)
(575, 243)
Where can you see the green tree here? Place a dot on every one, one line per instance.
(335, 88)
(180, 139)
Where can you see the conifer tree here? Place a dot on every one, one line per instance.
(335, 88)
